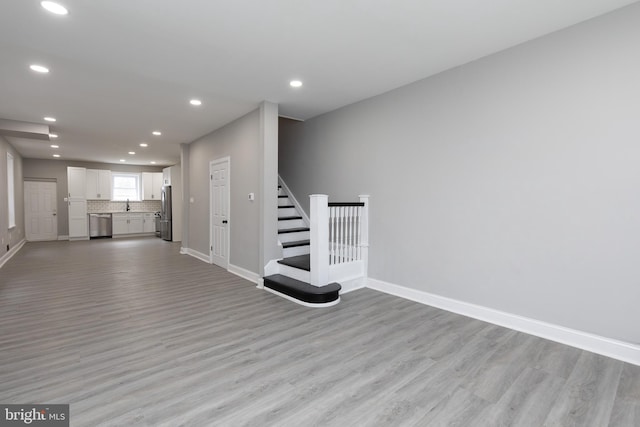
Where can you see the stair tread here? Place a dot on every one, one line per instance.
(301, 290)
(296, 243)
(285, 218)
(293, 230)
(302, 262)
(286, 206)
(282, 196)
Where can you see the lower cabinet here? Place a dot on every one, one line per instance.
(149, 223)
(135, 223)
(128, 223)
(120, 223)
(78, 220)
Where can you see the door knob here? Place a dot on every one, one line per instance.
(54, 214)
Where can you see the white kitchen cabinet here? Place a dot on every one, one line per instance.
(120, 223)
(149, 223)
(171, 175)
(151, 185)
(76, 183)
(166, 176)
(78, 220)
(129, 223)
(77, 203)
(135, 223)
(98, 184)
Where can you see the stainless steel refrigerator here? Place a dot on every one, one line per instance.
(165, 213)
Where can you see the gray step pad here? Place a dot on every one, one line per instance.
(303, 291)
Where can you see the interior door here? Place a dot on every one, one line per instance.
(41, 218)
(219, 193)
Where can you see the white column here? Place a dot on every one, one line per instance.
(267, 198)
(364, 229)
(319, 225)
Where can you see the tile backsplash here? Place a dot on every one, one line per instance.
(98, 206)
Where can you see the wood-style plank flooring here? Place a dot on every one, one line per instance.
(131, 333)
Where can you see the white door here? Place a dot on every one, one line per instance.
(219, 194)
(41, 218)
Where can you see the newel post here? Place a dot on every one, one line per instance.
(364, 230)
(319, 218)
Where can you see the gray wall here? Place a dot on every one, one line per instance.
(14, 235)
(57, 170)
(240, 140)
(512, 182)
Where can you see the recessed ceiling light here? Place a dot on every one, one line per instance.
(39, 68)
(55, 146)
(153, 163)
(132, 152)
(56, 155)
(50, 119)
(54, 7)
(53, 135)
(144, 144)
(295, 83)
(122, 160)
(195, 102)
(156, 133)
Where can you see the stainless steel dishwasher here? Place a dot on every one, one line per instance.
(100, 225)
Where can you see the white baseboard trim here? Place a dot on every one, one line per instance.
(244, 273)
(615, 349)
(353, 285)
(63, 237)
(234, 269)
(305, 304)
(14, 250)
(195, 254)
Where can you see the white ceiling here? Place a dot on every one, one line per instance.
(123, 68)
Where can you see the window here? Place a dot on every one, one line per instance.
(11, 192)
(126, 186)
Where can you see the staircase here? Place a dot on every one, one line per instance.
(291, 275)
(293, 231)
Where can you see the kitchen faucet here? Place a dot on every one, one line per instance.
(128, 207)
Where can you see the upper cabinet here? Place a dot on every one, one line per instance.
(168, 174)
(98, 184)
(151, 185)
(76, 178)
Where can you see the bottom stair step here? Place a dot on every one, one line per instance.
(303, 262)
(303, 291)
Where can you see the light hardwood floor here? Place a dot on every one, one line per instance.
(131, 333)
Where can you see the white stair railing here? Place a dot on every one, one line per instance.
(344, 232)
(339, 238)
